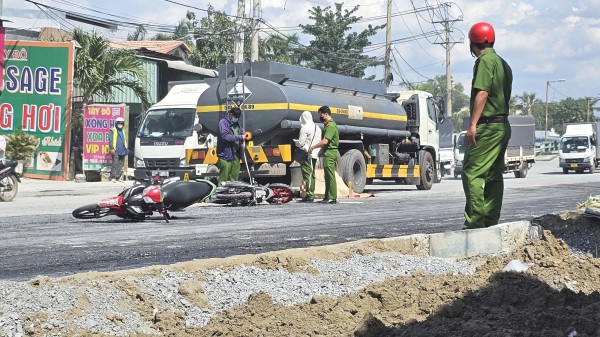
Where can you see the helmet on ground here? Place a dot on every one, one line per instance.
(120, 120)
(482, 32)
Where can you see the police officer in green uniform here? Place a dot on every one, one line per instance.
(329, 145)
(488, 133)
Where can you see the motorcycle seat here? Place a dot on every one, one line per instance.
(9, 163)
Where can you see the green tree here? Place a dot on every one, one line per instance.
(138, 35)
(569, 110)
(99, 70)
(526, 102)
(280, 49)
(437, 87)
(333, 49)
(214, 40)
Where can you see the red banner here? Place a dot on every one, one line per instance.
(2, 29)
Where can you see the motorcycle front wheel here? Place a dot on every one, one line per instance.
(8, 188)
(91, 212)
(282, 194)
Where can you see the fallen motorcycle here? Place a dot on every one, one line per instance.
(9, 180)
(240, 193)
(141, 201)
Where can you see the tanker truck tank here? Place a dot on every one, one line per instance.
(381, 136)
(277, 94)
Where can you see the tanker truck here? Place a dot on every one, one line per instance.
(386, 136)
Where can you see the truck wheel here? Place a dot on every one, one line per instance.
(522, 172)
(354, 170)
(565, 170)
(427, 172)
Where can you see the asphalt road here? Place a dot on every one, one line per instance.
(38, 235)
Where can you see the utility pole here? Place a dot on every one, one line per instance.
(1, 21)
(255, 29)
(448, 44)
(387, 78)
(448, 72)
(238, 46)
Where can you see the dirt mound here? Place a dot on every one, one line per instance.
(557, 296)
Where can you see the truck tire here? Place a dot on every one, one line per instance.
(427, 169)
(522, 171)
(354, 170)
(565, 170)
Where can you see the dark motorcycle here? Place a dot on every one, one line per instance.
(9, 180)
(141, 201)
(240, 193)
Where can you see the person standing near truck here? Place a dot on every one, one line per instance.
(488, 132)
(310, 134)
(329, 148)
(229, 140)
(117, 142)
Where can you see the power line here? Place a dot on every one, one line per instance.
(411, 67)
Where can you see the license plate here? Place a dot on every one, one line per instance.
(573, 165)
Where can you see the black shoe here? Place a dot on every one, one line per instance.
(326, 201)
(307, 200)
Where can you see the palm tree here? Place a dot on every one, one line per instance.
(526, 101)
(100, 70)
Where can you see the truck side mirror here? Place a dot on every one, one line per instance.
(198, 128)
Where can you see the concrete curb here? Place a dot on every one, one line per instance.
(499, 239)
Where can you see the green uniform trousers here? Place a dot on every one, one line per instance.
(308, 175)
(329, 161)
(229, 170)
(483, 166)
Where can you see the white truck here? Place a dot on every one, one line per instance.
(447, 136)
(578, 149)
(520, 153)
(168, 133)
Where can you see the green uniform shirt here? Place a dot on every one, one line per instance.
(492, 74)
(332, 134)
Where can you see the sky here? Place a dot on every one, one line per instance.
(542, 40)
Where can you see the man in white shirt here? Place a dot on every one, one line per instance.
(310, 134)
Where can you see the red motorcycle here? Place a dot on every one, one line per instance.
(141, 201)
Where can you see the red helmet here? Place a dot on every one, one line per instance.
(482, 32)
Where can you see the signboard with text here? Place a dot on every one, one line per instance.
(36, 98)
(98, 120)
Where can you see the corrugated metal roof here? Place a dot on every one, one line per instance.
(126, 95)
(163, 47)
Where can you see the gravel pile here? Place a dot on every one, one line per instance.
(102, 307)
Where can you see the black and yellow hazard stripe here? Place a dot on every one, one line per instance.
(300, 107)
(256, 154)
(201, 156)
(269, 153)
(375, 171)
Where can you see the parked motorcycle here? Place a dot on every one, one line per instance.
(9, 180)
(240, 193)
(141, 201)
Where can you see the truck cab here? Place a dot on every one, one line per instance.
(578, 148)
(169, 129)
